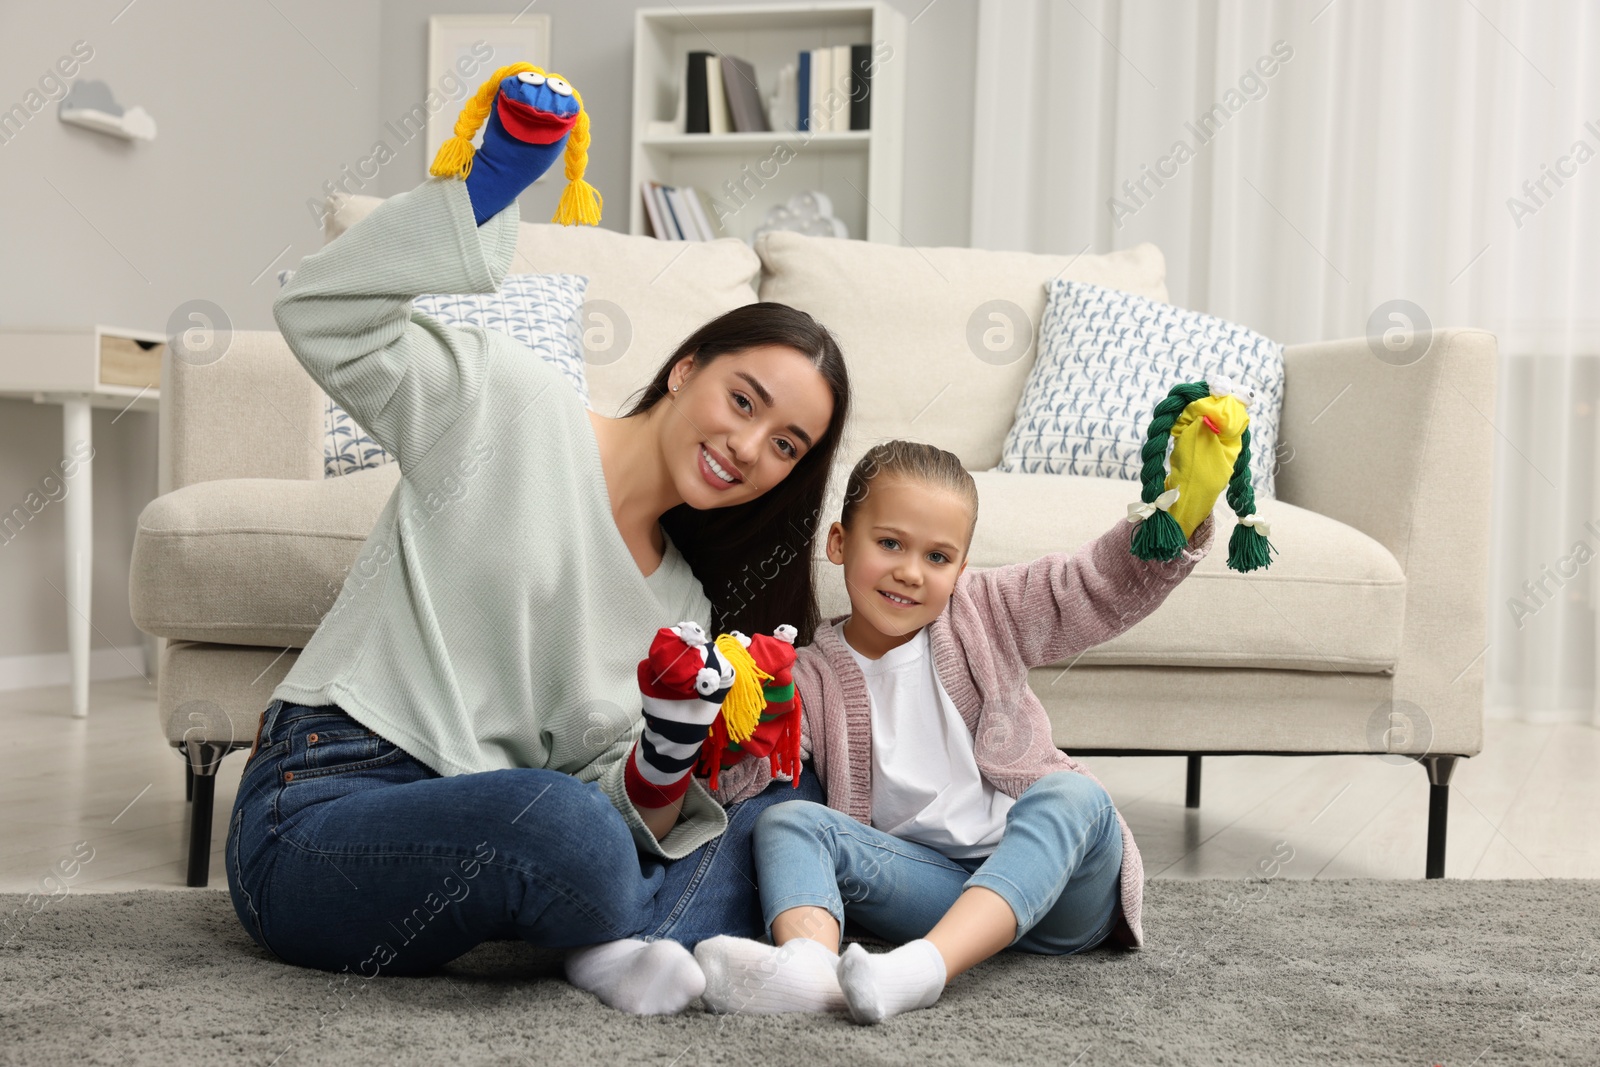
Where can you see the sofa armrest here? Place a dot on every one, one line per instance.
(254, 413)
(1405, 455)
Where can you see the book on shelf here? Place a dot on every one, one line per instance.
(833, 87)
(839, 117)
(716, 96)
(697, 110)
(826, 90)
(803, 93)
(679, 199)
(702, 219)
(861, 86)
(652, 209)
(743, 94)
(678, 213)
(821, 82)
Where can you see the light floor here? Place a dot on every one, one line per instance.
(1528, 807)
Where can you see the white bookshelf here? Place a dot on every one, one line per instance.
(860, 170)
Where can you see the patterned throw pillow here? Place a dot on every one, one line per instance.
(540, 310)
(1106, 358)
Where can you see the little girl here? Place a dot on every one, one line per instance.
(954, 826)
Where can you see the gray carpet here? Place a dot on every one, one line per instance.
(1278, 972)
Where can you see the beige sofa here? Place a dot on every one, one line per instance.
(1365, 635)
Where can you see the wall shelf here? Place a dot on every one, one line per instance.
(747, 173)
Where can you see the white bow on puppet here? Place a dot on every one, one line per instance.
(1259, 523)
(1139, 511)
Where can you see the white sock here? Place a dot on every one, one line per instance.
(759, 979)
(876, 987)
(640, 977)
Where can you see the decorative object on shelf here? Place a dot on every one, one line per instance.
(90, 104)
(810, 213)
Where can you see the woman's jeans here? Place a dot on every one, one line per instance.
(346, 852)
(1058, 866)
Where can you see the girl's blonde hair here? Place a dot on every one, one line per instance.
(910, 461)
(580, 201)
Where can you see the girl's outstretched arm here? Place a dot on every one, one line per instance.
(1061, 604)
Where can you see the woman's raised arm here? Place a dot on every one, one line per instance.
(347, 316)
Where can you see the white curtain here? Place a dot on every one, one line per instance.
(1445, 152)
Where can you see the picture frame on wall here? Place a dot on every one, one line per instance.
(463, 51)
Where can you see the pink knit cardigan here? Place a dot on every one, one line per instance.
(1000, 622)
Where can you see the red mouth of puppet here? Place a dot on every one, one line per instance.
(530, 124)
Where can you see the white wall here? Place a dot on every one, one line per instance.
(257, 106)
(251, 119)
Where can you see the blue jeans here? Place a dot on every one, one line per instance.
(345, 851)
(1058, 866)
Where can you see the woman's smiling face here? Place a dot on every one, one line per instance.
(736, 426)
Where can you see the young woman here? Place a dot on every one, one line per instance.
(444, 763)
(953, 823)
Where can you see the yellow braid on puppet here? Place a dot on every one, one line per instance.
(531, 116)
(1209, 428)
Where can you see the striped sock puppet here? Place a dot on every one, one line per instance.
(682, 683)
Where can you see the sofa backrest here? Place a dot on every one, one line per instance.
(938, 340)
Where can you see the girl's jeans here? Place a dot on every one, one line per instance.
(345, 852)
(1058, 867)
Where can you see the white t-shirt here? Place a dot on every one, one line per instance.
(925, 782)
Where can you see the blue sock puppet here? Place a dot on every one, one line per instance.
(533, 117)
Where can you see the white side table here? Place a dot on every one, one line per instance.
(103, 367)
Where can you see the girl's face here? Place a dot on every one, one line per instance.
(904, 550)
(738, 425)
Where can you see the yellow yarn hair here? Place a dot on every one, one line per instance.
(580, 201)
(741, 711)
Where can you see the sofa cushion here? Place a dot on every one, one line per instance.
(1107, 358)
(251, 561)
(940, 339)
(258, 561)
(1333, 599)
(645, 296)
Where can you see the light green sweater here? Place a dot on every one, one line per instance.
(495, 617)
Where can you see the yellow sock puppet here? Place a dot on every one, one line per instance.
(1209, 428)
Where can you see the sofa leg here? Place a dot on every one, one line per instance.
(203, 759)
(1191, 785)
(1439, 771)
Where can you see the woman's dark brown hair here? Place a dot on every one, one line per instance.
(754, 559)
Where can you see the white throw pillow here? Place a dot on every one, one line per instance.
(1107, 357)
(540, 310)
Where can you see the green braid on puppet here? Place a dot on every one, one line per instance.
(1210, 433)
(533, 117)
